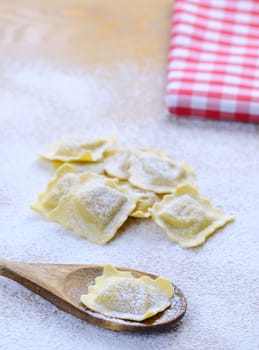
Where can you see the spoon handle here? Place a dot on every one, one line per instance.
(18, 272)
(7, 269)
(41, 279)
(33, 276)
(46, 280)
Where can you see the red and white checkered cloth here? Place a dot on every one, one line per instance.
(214, 60)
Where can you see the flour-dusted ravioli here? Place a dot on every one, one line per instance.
(117, 163)
(65, 179)
(187, 218)
(95, 209)
(73, 149)
(154, 171)
(119, 294)
(144, 199)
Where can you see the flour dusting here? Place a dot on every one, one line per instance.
(40, 102)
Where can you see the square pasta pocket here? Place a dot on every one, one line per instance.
(187, 218)
(94, 210)
(154, 171)
(90, 205)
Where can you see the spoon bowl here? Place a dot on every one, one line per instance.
(63, 285)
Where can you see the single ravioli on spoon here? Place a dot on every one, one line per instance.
(121, 295)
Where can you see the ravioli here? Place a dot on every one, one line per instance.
(187, 218)
(97, 187)
(87, 203)
(74, 149)
(119, 294)
(95, 210)
(117, 163)
(154, 171)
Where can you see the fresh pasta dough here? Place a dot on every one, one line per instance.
(73, 149)
(87, 203)
(154, 171)
(187, 218)
(119, 294)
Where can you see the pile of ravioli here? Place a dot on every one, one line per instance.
(96, 188)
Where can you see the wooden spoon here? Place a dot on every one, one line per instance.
(63, 285)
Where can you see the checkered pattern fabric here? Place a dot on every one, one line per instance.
(213, 69)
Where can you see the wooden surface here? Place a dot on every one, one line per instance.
(86, 32)
(63, 285)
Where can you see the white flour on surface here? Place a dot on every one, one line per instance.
(219, 279)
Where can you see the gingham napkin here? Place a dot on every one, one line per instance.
(214, 60)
